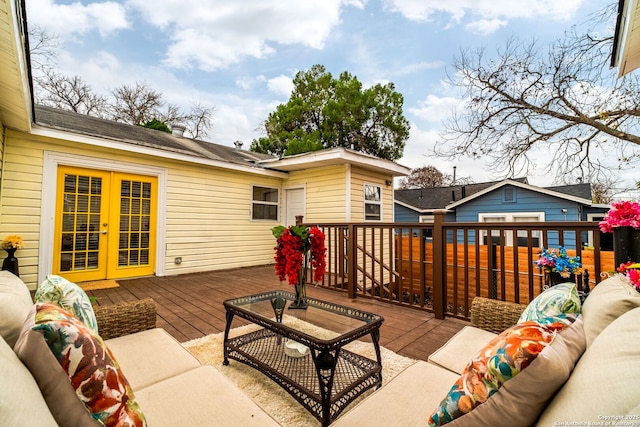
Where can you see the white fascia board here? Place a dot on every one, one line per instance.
(148, 151)
(334, 156)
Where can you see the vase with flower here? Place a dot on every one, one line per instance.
(11, 244)
(299, 248)
(623, 220)
(558, 266)
(630, 271)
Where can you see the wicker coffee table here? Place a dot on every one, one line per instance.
(326, 379)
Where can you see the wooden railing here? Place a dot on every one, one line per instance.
(442, 266)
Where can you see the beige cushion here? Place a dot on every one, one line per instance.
(21, 403)
(405, 401)
(608, 301)
(15, 303)
(606, 380)
(456, 354)
(200, 397)
(150, 356)
(521, 399)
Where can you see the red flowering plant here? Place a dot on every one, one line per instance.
(297, 249)
(621, 214)
(631, 273)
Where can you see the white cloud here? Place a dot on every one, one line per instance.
(211, 37)
(435, 109)
(486, 26)
(281, 85)
(65, 20)
(420, 10)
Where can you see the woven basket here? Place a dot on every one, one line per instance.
(125, 318)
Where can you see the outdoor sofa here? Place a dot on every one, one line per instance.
(173, 389)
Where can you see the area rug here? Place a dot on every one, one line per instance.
(266, 393)
(98, 284)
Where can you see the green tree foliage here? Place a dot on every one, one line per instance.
(157, 125)
(324, 112)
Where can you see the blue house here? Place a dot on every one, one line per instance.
(511, 200)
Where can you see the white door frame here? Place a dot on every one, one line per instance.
(48, 207)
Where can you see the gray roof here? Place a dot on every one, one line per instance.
(93, 126)
(425, 199)
(440, 197)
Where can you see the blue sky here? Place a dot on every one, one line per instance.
(240, 56)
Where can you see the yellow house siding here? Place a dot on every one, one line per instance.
(207, 209)
(326, 192)
(360, 177)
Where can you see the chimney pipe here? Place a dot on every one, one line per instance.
(238, 145)
(177, 129)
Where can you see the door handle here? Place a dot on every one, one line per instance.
(104, 232)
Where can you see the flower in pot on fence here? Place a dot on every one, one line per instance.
(298, 249)
(558, 266)
(623, 220)
(630, 272)
(11, 244)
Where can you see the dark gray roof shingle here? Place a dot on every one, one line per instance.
(136, 135)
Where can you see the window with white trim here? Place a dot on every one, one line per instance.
(372, 202)
(265, 203)
(521, 235)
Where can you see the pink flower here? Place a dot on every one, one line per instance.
(621, 214)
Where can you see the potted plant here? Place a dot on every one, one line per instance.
(623, 220)
(558, 265)
(631, 273)
(11, 244)
(298, 249)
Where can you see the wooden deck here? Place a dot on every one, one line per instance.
(190, 306)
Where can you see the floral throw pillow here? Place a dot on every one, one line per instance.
(59, 291)
(562, 298)
(499, 361)
(91, 368)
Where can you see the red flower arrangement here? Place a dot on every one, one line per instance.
(621, 214)
(631, 272)
(297, 249)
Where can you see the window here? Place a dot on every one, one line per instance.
(606, 239)
(509, 195)
(372, 202)
(521, 235)
(265, 203)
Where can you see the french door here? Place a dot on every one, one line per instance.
(104, 224)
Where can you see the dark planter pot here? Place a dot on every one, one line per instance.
(626, 245)
(553, 278)
(10, 263)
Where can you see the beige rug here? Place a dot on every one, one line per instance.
(266, 393)
(98, 284)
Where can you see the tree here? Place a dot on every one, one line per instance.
(136, 104)
(563, 101)
(324, 112)
(423, 177)
(69, 93)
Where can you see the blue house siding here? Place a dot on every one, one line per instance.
(524, 200)
(404, 214)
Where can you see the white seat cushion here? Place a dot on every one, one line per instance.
(461, 348)
(150, 356)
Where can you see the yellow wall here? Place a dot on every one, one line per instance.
(207, 209)
(325, 192)
(361, 176)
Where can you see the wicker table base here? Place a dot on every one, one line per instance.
(324, 381)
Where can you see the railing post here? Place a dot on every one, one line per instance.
(352, 261)
(439, 267)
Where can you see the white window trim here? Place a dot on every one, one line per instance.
(593, 217)
(47, 211)
(510, 217)
(278, 204)
(371, 202)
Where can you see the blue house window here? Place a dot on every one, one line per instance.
(509, 195)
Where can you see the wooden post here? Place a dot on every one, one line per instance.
(352, 265)
(439, 267)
